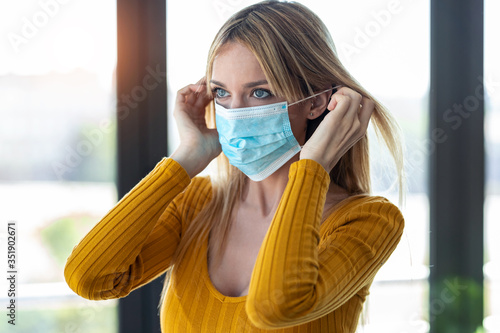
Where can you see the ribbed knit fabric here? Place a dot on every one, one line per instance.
(307, 277)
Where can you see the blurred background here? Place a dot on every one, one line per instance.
(59, 146)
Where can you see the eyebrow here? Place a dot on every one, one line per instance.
(246, 85)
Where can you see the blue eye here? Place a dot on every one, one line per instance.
(261, 93)
(220, 93)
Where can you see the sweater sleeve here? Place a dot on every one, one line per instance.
(298, 277)
(131, 245)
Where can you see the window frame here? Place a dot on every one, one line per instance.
(142, 127)
(457, 176)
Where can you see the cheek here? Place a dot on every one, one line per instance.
(298, 123)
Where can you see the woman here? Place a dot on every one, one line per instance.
(285, 236)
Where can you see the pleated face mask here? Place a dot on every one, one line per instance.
(257, 140)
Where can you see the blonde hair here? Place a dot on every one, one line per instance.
(298, 58)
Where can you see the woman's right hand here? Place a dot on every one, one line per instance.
(198, 144)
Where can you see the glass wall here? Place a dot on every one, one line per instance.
(385, 45)
(57, 153)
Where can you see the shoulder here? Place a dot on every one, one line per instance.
(365, 211)
(366, 204)
(188, 203)
(200, 189)
(201, 183)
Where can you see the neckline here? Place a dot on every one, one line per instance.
(208, 282)
(228, 299)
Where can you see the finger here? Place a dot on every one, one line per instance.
(366, 111)
(182, 95)
(193, 94)
(197, 90)
(184, 91)
(201, 86)
(188, 90)
(340, 104)
(356, 98)
(202, 96)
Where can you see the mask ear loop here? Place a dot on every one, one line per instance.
(300, 100)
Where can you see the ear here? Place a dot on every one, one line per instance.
(318, 105)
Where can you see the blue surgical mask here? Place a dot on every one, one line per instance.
(257, 140)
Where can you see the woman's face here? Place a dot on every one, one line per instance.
(238, 81)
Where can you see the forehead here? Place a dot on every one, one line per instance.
(236, 63)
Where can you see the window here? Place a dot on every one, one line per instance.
(57, 157)
(386, 48)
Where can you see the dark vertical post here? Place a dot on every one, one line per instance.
(142, 126)
(456, 166)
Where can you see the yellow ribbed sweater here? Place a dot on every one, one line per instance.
(308, 276)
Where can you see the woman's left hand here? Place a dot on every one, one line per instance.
(342, 127)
